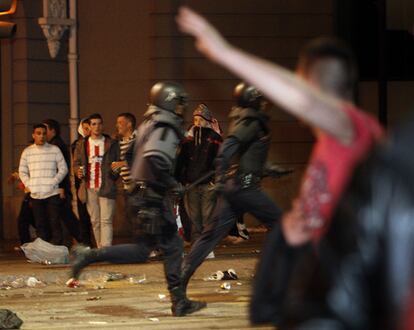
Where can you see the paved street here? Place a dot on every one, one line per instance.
(139, 301)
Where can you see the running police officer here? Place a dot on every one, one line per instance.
(156, 146)
(240, 166)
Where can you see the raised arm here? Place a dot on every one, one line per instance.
(284, 88)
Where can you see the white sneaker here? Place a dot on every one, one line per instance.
(211, 255)
(153, 254)
(243, 232)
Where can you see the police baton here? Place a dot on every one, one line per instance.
(201, 179)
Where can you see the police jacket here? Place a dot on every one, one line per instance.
(247, 143)
(156, 147)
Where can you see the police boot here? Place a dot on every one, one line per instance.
(181, 305)
(84, 257)
(185, 276)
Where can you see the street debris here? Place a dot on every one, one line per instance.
(137, 279)
(98, 279)
(226, 275)
(217, 276)
(72, 293)
(45, 253)
(34, 282)
(19, 281)
(72, 283)
(225, 286)
(115, 276)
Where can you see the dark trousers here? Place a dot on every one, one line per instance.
(185, 221)
(231, 204)
(85, 227)
(84, 223)
(286, 278)
(46, 214)
(171, 244)
(70, 222)
(199, 204)
(25, 219)
(133, 202)
(168, 241)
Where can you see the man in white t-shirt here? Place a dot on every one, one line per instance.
(92, 163)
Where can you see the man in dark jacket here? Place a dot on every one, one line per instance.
(197, 155)
(85, 227)
(69, 221)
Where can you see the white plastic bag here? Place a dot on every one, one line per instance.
(46, 253)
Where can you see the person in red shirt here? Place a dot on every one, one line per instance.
(369, 247)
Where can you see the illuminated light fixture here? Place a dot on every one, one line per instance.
(7, 7)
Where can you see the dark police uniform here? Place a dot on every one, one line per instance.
(240, 166)
(156, 146)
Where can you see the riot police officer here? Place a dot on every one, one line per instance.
(155, 151)
(240, 166)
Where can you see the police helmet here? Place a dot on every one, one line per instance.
(169, 96)
(247, 96)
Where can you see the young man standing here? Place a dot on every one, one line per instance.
(79, 199)
(126, 130)
(196, 159)
(92, 163)
(125, 126)
(42, 168)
